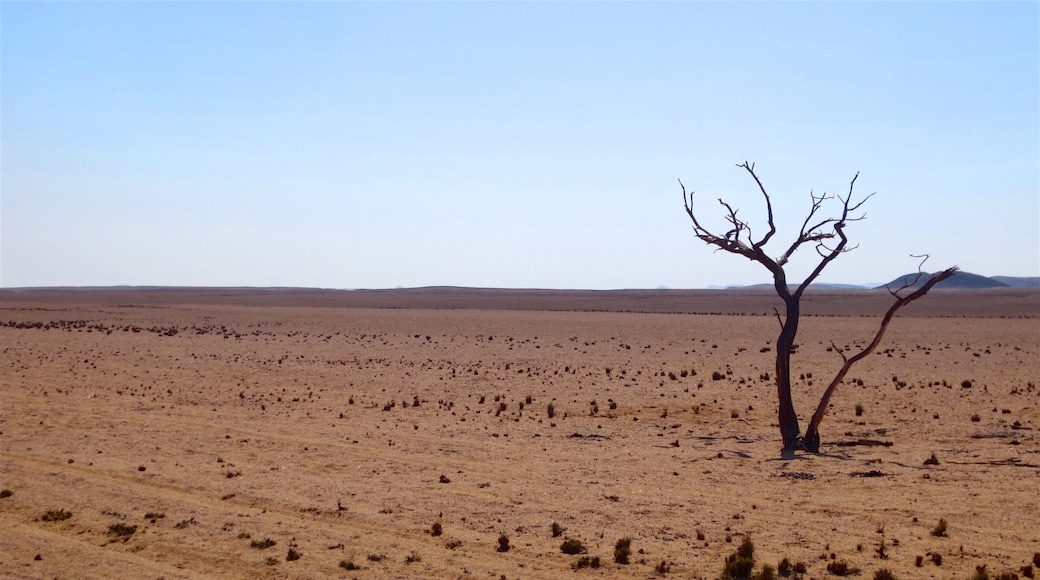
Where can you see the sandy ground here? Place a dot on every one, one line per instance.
(342, 427)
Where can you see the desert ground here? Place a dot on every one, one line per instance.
(190, 433)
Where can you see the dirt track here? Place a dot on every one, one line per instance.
(291, 415)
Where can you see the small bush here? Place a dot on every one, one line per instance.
(154, 516)
(56, 516)
(966, 384)
(271, 561)
(572, 546)
(933, 460)
(739, 564)
(557, 530)
(376, 557)
(122, 530)
(262, 544)
(436, 529)
(884, 574)
(939, 531)
(663, 568)
(503, 543)
(841, 568)
(453, 544)
(936, 558)
(586, 562)
(622, 550)
(980, 573)
(413, 557)
(859, 410)
(551, 411)
(785, 569)
(243, 536)
(1036, 559)
(293, 555)
(349, 565)
(767, 573)
(6, 493)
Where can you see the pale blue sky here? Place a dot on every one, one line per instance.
(369, 145)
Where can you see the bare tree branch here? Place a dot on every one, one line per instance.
(812, 437)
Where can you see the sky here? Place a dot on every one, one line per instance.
(501, 144)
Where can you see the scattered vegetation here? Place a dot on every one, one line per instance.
(56, 515)
(586, 562)
(939, 531)
(262, 544)
(841, 568)
(572, 546)
(622, 550)
(122, 530)
(740, 564)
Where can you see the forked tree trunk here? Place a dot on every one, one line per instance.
(829, 238)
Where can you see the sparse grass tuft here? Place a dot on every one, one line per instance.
(739, 564)
(56, 515)
(586, 562)
(622, 550)
(262, 544)
(122, 530)
(572, 546)
(940, 529)
(841, 568)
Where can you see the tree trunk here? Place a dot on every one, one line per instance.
(789, 429)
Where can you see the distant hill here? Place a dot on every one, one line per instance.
(961, 280)
(1014, 282)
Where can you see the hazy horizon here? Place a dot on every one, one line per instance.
(507, 145)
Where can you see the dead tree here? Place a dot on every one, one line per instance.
(827, 236)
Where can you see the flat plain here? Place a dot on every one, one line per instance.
(278, 433)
